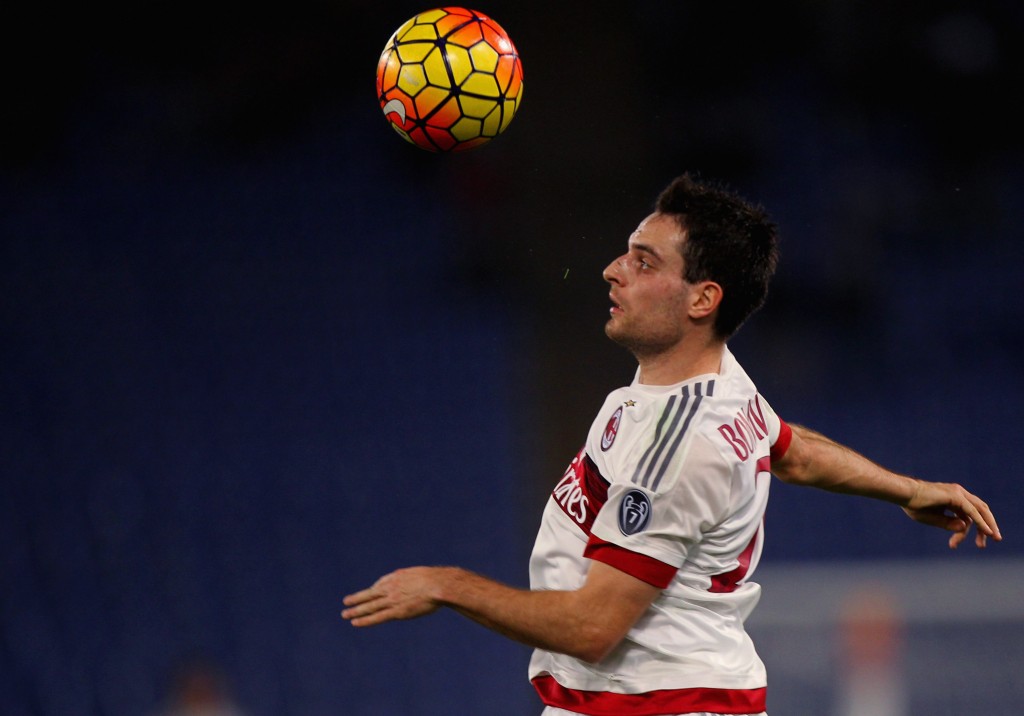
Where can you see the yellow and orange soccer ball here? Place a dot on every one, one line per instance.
(449, 79)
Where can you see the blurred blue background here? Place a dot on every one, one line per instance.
(255, 350)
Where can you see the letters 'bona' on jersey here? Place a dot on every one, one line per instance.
(671, 487)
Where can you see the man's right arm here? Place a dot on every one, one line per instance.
(586, 623)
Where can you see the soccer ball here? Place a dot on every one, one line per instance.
(449, 79)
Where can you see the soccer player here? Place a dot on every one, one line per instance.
(640, 575)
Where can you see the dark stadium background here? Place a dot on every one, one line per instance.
(255, 350)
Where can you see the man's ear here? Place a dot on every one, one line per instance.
(705, 299)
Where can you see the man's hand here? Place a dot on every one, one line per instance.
(951, 507)
(404, 594)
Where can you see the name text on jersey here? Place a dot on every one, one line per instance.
(746, 429)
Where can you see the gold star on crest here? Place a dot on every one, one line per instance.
(630, 403)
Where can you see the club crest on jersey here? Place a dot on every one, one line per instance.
(611, 429)
(634, 512)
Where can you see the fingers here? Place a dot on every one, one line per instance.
(365, 608)
(956, 539)
(370, 606)
(960, 534)
(404, 594)
(359, 597)
(949, 506)
(959, 525)
(974, 510)
(980, 538)
(369, 614)
(978, 510)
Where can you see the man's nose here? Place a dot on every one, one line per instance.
(613, 272)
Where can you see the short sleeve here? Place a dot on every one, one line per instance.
(781, 445)
(664, 524)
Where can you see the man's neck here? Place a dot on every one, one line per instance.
(683, 362)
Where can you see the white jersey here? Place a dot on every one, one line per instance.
(671, 487)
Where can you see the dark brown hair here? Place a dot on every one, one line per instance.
(727, 240)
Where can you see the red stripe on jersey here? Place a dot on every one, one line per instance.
(646, 569)
(727, 582)
(582, 492)
(650, 703)
(764, 464)
(782, 444)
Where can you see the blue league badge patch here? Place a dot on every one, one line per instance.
(634, 512)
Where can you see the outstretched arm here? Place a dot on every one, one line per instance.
(815, 460)
(586, 623)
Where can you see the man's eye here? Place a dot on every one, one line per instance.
(644, 264)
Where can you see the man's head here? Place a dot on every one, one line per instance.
(701, 262)
(727, 241)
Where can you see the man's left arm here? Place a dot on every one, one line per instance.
(814, 460)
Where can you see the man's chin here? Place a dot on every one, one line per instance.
(610, 329)
(637, 345)
(617, 335)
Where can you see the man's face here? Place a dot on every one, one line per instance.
(648, 293)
